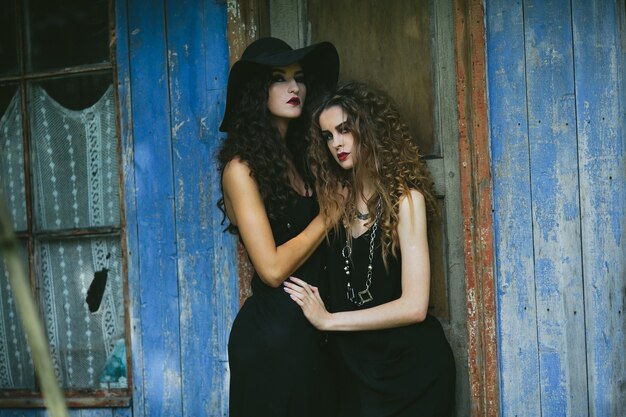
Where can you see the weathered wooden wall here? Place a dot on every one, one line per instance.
(558, 139)
(173, 68)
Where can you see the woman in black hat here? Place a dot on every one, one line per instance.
(395, 359)
(276, 357)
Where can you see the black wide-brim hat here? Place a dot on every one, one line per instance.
(319, 61)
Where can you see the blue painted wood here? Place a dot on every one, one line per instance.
(18, 413)
(556, 208)
(42, 412)
(129, 205)
(92, 412)
(600, 104)
(198, 69)
(513, 233)
(123, 412)
(156, 230)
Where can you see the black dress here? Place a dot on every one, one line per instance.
(278, 366)
(402, 372)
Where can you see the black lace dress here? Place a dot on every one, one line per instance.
(407, 371)
(278, 362)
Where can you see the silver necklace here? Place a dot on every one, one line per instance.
(364, 296)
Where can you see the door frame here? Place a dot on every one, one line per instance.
(476, 203)
(246, 17)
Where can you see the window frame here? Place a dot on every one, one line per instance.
(93, 397)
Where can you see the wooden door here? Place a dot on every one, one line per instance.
(406, 48)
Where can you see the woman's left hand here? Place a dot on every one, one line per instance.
(309, 299)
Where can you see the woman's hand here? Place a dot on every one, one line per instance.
(309, 299)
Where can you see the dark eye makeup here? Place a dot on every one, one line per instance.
(343, 128)
(277, 78)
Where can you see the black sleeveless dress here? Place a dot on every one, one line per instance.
(278, 362)
(402, 372)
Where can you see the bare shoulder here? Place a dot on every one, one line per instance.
(236, 168)
(237, 175)
(412, 211)
(412, 201)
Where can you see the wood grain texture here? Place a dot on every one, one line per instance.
(85, 412)
(569, 176)
(198, 71)
(157, 297)
(122, 412)
(389, 45)
(130, 244)
(476, 197)
(556, 209)
(517, 324)
(600, 106)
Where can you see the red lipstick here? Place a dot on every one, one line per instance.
(342, 156)
(294, 101)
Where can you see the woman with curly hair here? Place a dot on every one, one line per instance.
(394, 357)
(277, 359)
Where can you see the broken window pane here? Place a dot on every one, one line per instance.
(85, 345)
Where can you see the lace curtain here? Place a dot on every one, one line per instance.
(16, 365)
(75, 163)
(74, 169)
(11, 163)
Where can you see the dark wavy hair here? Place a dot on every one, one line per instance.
(384, 151)
(252, 138)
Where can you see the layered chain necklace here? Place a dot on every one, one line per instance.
(359, 298)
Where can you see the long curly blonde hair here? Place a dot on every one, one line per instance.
(384, 151)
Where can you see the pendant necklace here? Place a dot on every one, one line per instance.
(364, 296)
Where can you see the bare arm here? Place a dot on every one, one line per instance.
(246, 210)
(412, 305)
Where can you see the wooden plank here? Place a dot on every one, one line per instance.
(92, 412)
(157, 273)
(207, 258)
(600, 104)
(447, 129)
(40, 412)
(405, 72)
(556, 209)
(475, 181)
(517, 331)
(130, 245)
(123, 412)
